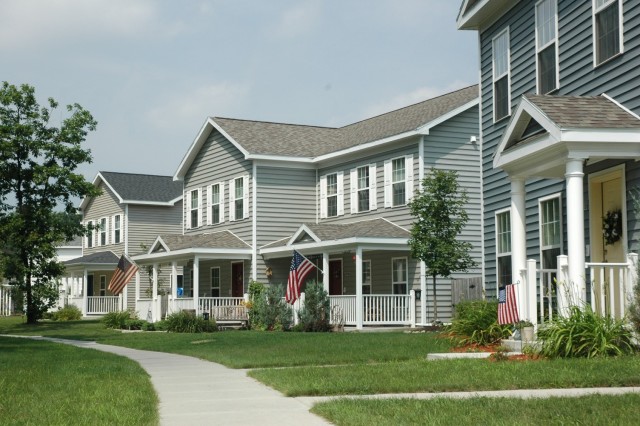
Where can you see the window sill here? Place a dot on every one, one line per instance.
(607, 61)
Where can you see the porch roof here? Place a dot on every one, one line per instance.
(107, 259)
(546, 130)
(214, 244)
(379, 232)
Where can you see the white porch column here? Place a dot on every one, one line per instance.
(423, 293)
(359, 304)
(575, 229)
(196, 283)
(125, 297)
(174, 286)
(137, 288)
(325, 269)
(518, 241)
(84, 293)
(562, 289)
(154, 295)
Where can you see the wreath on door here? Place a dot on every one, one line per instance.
(612, 226)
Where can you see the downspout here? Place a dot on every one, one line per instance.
(481, 148)
(126, 229)
(254, 242)
(423, 266)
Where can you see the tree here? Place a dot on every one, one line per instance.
(38, 186)
(440, 216)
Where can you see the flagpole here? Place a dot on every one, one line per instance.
(305, 257)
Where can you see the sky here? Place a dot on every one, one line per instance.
(151, 72)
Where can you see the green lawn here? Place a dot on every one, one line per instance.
(53, 384)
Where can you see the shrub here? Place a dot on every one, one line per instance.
(634, 307)
(187, 322)
(148, 326)
(269, 311)
(476, 322)
(134, 324)
(116, 320)
(585, 334)
(314, 315)
(68, 313)
(158, 326)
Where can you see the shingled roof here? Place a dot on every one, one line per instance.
(214, 240)
(258, 137)
(145, 188)
(100, 258)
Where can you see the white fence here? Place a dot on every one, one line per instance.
(547, 297)
(611, 287)
(102, 304)
(6, 304)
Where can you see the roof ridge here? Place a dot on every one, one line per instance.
(134, 174)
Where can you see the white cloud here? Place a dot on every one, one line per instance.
(29, 23)
(299, 19)
(405, 99)
(193, 107)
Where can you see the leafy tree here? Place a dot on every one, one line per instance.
(440, 216)
(38, 186)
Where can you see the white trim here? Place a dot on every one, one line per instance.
(388, 195)
(105, 231)
(542, 200)
(408, 184)
(232, 200)
(156, 242)
(353, 178)
(89, 234)
(113, 228)
(323, 196)
(373, 187)
(340, 193)
(203, 253)
(506, 253)
(539, 48)
(368, 243)
(125, 224)
(254, 223)
(245, 196)
(495, 78)
(306, 230)
(594, 12)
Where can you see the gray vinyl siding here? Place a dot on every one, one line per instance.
(218, 161)
(618, 78)
(104, 205)
(145, 223)
(205, 277)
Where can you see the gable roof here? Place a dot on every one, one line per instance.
(222, 240)
(100, 258)
(475, 14)
(266, 140)
(133, 188)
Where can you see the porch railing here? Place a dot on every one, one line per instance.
(180, 303)
(386, 309)
(224, 308)
(345, 306)
(6, 303)
(547, 298)
(611, 283)
(102, 304)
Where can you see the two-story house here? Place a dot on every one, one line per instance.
(126, 218)
(560, 98)
(255, 191)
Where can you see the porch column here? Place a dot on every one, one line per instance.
(125, 296)
(137, 287)
(423, 292)
(359, 304)
(84, 293)
(174, 286)
(154, 294)
(196, 283)
(575, 229)
(518, 241)
(325, 269)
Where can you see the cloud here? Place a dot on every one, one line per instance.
(405, 99)
(299, 19)
(193, 107)
(29, 23)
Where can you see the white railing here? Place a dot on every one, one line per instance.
(346, 305)
(224, 308)
(76, 301)
(6, 304)
(102, 304)
(180, 303)
(386, 309)
(611, 283)
(547, 294)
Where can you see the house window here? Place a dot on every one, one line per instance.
(550, 232)
(607, 24)
(117, 226)
(215, 282)
(501, 95)
(547, 45)
(103, 231)
(398, 176)
(103, 285)
(366, 277)
(90, 234)
(239, 199)
(332, 195)
(215, 204)
(399, 275)
(195, 208)
(503, 247)
(363, 189)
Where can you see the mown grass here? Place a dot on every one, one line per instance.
(53, 384)
(451, 375)
(588, 410)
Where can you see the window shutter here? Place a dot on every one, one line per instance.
(323, 197)
(188, 209)
(354, 191)
(221, 202)
(387, 184)
(209, 195)
(373, 193)
(113, 229)
(245, 192)
(340, 193)
(200, 207)
(232, 200)
(106, 231)
(408, 167)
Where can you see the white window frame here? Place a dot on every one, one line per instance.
(103, 232)
(356, 189)
(116, 232)
(394, 282)
(103, 285)
(543, 247)
(500, 254)
(219, 280)
(324, 197)
(541, 47)
(191, 209)
(507, 73)
(232, 198)
(389, 181)
(366, 264)
(596, 10)
(89, 239)
(211, 204)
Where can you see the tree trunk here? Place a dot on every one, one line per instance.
(32, 313)
(435, 301)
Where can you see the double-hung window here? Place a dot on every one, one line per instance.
(103, 285)
(398, 187)
(194, 208)
(398, 181)
(90, 234)
(332, 195)
(399, 275)
(550, 232)
(366, 277)
(215, 213)
(239, 203)
(501, 70)
(239, 198)
(103, 231)
(215, 282)
(547, 45)
(363, 189)
(503, 247)
(117, 229)
(607, 29)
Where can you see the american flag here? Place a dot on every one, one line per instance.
(507, 307)
(121, 276)
(300, 268)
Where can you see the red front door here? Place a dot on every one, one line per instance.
(237, 279)
(335, 277)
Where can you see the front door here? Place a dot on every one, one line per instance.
(237, 279)
(89, 285)
(335, 277)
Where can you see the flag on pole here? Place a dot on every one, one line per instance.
(507, 307)
(121, 276)
(300, 268)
